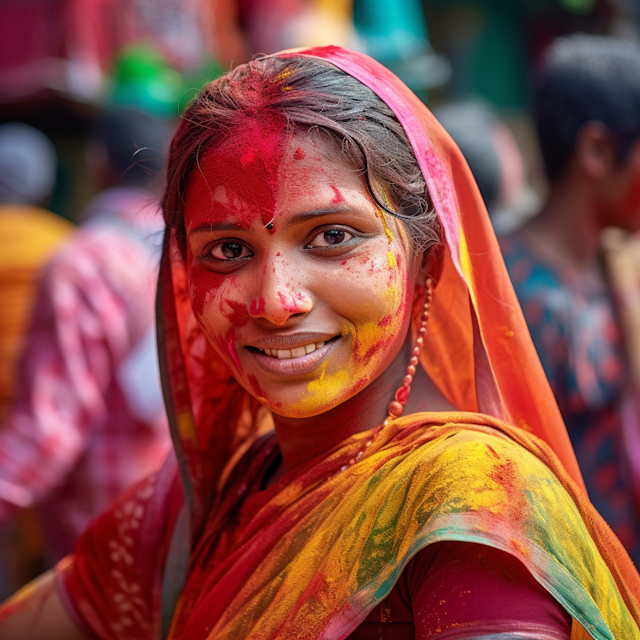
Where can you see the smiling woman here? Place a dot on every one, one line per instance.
(344, 361)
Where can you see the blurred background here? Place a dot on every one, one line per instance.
(63, 60)
(89, 77)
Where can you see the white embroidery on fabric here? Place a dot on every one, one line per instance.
(131, 610)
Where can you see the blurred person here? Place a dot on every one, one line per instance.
(494, 159)
(29, 235)
(587, 111)
(87, 417)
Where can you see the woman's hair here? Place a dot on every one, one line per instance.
(317, 98)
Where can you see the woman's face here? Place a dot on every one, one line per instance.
(298, 281)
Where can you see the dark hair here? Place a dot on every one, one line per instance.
(586, 78)
(316, 97)
(136, 144)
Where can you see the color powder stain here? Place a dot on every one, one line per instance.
(385, 225)
(344, 262)
(392, 260)
(505, 475)
(255, 385)
(337, 196)
(230, 343)
(239, 315)
(386, 321)
(246, 169)
(202, 286)
(493, 451)
(325, 389)
(288, 302)
(518, 547)
(257, 307)
(375, 349)
(299, 154)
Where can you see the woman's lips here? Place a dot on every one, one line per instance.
(293, 365)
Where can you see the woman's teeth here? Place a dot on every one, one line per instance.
(285, 354)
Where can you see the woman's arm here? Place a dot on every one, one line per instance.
(37, 612)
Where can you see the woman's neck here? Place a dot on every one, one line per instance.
(302, 439)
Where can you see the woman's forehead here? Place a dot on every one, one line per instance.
(265, 173)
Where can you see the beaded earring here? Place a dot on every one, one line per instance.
(396, 406)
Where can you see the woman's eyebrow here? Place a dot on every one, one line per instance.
(218, 226)
(318, 213)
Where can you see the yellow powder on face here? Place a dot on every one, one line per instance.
(325, 389)
(315, 385)
(392, 260)
(383, 215)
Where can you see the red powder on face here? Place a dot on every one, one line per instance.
(337, 196)
(385, 321)
(239, 315)
(374, 349)
(255, 385)
(288, 302)
(257, 307)
(299, 154)
(201, 282)
(229, 344)
(240, 179)
(344, 262)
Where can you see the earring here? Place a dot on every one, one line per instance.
(396, 406)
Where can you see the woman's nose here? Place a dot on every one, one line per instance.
(280, 295)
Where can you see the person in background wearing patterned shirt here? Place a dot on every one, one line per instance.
(87, 419)
(588, 119)
(29, 236)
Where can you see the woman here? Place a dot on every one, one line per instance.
(330, 271)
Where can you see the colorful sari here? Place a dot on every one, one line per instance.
(330, 539)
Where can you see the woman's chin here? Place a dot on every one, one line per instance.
(298, 409)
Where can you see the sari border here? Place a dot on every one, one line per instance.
(462, 527)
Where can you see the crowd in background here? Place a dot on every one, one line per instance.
(90, 93)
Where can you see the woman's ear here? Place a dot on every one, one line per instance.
(431, 265)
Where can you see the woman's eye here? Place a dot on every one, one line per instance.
(331, 238)
(229, 251)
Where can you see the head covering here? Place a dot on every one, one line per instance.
(27, 164)
(478, 350)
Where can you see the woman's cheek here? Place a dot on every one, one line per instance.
(215, 302)
(203, 284)
(377, 333)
